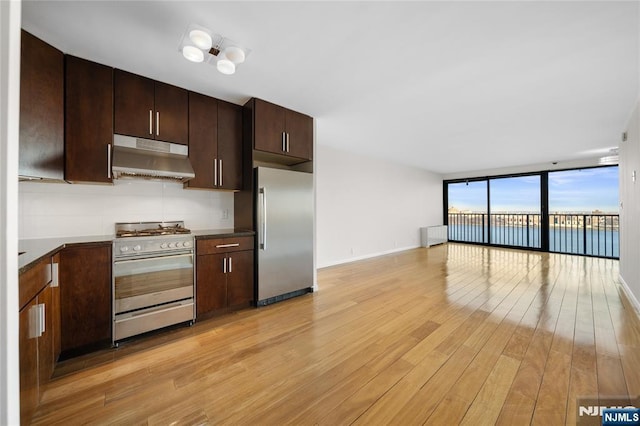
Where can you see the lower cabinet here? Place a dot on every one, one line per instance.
(224, 274)
(85, 298)
(38, 328)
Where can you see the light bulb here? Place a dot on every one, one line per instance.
(225, 66)
(234, 54)
(193, 54)
(200, 39)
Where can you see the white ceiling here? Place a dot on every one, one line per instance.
(446, 86)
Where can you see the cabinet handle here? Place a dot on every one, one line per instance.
(215, 172)
(42, 316)
(263, 216)
(55, 275)
(109, 161)
(228, 245)
(151, 122)
(224, 265)
(287, 142)
(284, 143)
(230, 264)
(220, 172)
(157, 123)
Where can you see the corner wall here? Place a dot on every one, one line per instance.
(10, 18)
(368, 207)
(630, 208)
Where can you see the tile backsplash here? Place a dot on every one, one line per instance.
(61, 210)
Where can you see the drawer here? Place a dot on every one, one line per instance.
(34, 280)
(138, 322)
(224, 245)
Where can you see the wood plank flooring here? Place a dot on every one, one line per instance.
(453, 334)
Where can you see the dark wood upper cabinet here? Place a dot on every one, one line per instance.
(85, 297)
(203, 139)
(215, 143)
(278, 130)
(269, 130)
(41, 110)
(88, 120)
(230, 145)
(300, 131)
(150, 109)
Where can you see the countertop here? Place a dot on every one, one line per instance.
(36, 249)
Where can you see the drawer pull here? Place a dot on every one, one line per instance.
(228, 245)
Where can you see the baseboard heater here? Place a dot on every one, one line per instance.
(432, 235)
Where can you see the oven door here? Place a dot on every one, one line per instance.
(145, 282)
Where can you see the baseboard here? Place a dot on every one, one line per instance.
(367, 256)
(632, 297)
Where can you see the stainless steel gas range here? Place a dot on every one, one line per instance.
(153, 277)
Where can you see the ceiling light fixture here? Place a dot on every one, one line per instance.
(199, 44)
(193, 54)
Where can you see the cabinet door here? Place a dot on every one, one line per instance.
(240, 278)
(41, 148)
(171, 114)
(211, 285)
(268, 124)
(230, 145)
(133, 105)
(85, 296)
(300, 131)
(46, 361)
(203, 139)
(28, 363)
(88, 120)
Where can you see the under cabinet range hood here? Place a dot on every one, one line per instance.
(138, 158)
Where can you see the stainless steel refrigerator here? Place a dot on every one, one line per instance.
(285, 234)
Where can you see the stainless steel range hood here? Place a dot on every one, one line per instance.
(138, 158)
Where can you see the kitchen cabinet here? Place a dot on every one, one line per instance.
(278, 130)
(215, 143)
(224, 274)
(38, 322)
(150, 109)
(88, 120)
(85, 297)
(230, 145)
(41, 148)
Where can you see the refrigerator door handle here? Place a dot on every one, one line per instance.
(263, 226)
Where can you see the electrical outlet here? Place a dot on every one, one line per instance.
(224, 214)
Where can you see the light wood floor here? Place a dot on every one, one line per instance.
(451, 334)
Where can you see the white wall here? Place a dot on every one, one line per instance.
(367, 207)
(9, 131)
(630, 211)
(58, 209)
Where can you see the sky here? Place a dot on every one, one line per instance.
(583, 190)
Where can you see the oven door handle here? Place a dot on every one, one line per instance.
(145, 259)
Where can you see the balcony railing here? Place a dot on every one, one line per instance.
(586, 234)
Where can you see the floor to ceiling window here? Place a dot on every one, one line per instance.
(515, 211)
(583, 211)
(568, 211)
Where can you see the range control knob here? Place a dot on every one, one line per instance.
(178, 244)
(171, 245)
(187, 244)
(163, 245)
(124, 248)
(137, 248)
